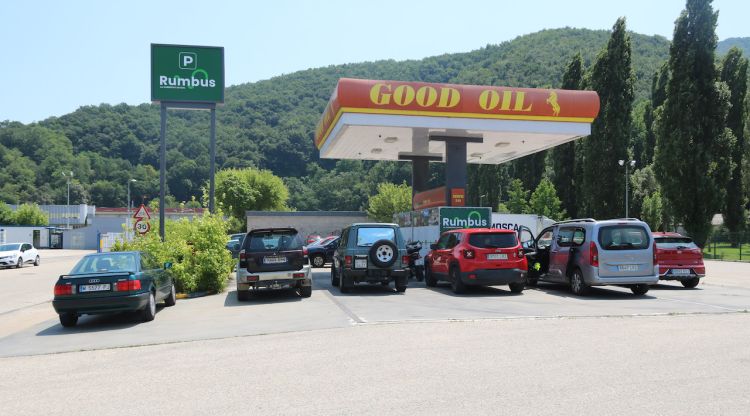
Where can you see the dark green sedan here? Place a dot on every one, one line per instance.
(113, 282)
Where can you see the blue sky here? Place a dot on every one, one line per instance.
(59, 55)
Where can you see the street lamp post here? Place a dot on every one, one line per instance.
(630, 163)
(69, 176)
(127, 221)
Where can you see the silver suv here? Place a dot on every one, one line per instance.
(587, 252)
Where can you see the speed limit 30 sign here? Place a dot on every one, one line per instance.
(142, 227)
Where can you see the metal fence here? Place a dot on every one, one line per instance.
(723, 245)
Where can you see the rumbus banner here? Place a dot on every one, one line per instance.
(193, 74)
(453, 218)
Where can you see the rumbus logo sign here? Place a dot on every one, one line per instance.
(454, 218)
(187, 73)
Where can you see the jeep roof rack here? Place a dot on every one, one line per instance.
(576, 220)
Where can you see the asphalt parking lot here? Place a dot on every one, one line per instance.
(222, 316)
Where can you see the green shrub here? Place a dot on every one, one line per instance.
(196, 249)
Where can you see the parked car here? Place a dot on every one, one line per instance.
(477, 257)
(587, 252)
(679, 259)
(312, 238)
(113, 282)
(370, 253)
(18, 254)
(321, 252)
(273, 258)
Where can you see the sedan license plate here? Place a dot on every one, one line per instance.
(274, 260)
(628, 268)
(93, 288)
(680, 271)
(360, 263)
(497, 256)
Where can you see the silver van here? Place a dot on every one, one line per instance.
(587, 252)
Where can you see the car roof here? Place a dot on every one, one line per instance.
(106, 253)
(265, 230)
(666, 234)
(376, 224)
(483, 230)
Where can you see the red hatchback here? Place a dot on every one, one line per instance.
(477, 257)
(679, 259)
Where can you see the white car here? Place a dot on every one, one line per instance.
(18, 254)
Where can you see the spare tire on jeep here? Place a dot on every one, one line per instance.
(383, 253)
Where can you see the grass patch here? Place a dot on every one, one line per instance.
(725, 251)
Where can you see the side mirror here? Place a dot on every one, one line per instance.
(167, 265)
(433, 246)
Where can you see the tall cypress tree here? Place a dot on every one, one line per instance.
(658, 95)
(612, 78)
(563, 157)
(734, 74)
(692, 159)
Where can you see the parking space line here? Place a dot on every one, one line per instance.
(701, 304)
(353, 316)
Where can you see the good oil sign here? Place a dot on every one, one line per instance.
(455, 218)
(187, 73)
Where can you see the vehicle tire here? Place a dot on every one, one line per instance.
(456, 284)
(149, 312)
(401, 283)
(383, 253)
(344, 283)
(429, 278)
(305, 291)
(639, 290)
(517, 287)
(171, 298)
(37, 261)
(68, 319)
(243, 295)
(420, 273)
(318, 261)
(531, 282)
(334, 279)
(578, 285)
(20, 263)
(691, 283)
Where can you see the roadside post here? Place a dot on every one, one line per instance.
(188, 78)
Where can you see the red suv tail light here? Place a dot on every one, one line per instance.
(348, 261)
(593, 254)
(63, 290)
(405, 260)
(520, 253)
(469, 253)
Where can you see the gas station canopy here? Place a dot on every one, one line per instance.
(394, 120)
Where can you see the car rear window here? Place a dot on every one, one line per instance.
(367, 236)
(276, 240)
(623, 237)
(675, 242)
(103, 263)
(493, 240)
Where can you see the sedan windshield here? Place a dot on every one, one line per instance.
(104, 263)
(10, 247)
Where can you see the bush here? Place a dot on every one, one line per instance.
(30, 214)
(196, 249)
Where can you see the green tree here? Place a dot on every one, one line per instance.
(544, 201)
(250, 189)
(6, 214)
(518, 198)
(652, 211)
(658, 95)
(563, 157)
(30, 214)
(389, 200)
(693, 154)
(612, 78)
(734, 74)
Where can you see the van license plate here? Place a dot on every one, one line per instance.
(497, 256)
(93, 288)
(360, 263)
(680, 271)
(274, 260)
(628, 268)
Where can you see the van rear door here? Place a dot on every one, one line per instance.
(625, 250)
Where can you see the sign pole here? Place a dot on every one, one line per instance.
(211, 187)
(162, 169)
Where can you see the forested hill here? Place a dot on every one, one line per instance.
(269, 124)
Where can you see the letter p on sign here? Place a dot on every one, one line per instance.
(188, 60)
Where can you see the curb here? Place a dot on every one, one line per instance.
(192, 295)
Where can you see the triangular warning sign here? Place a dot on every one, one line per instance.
(142, 213)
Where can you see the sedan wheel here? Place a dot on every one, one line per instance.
(149, 312)
(37, 261)
(20, 263)
(171, 299)
(691, 283)
(68, 319)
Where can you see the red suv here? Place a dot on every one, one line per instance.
(679, 259)
(477, 257)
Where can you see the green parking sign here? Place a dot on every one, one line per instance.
(192, 74)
